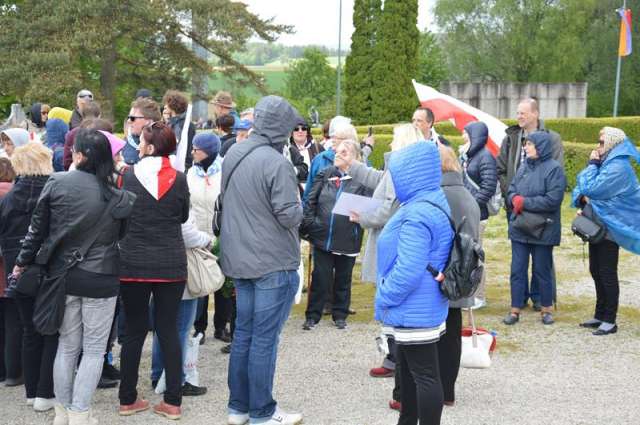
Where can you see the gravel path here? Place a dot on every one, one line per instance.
(553, 375)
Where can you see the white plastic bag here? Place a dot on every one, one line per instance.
(475, 348)
(298, 297)
(189, 367)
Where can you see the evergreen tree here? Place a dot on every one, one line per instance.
(310, 81)
(396, 62)
(358, 77)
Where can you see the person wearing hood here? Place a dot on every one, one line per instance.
(176, 104)
(56, 132)
(67, 212)
(480, 178)
(153, 261)
(61, 113)
(512, 155)
(39, 114)
(607, 191)
(408, 300)
(13, 138)
(32, 164)
(263, 192)
(534, 199)
(204, 184)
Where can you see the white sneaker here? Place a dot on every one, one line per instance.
(30, 401)
(238, 418)
(43, 404)
(282, 418)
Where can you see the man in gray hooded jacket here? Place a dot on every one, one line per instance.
(260, 250)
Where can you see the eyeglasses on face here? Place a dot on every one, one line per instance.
(132, 118)
(86, 96)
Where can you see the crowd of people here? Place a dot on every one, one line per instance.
(114, 219)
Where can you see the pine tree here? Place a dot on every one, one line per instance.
(359, 63)
(396, 62)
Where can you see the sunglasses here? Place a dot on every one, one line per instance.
(301, 128)
(44, 113)
(85, 96)
(132, 118)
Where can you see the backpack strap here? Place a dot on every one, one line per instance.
(434, 272)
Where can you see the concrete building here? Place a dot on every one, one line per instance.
(500, 99)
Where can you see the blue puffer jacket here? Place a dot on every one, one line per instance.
(614, 194)
(480, 166)
(416, 235)
(541, 182)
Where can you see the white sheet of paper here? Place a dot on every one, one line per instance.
(348, 202)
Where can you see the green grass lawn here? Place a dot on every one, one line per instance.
(570, 268)
(274, 82)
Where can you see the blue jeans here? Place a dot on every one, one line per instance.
(263, 306)
(542, 272)
(186, 317)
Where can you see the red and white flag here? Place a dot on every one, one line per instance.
(460, 114)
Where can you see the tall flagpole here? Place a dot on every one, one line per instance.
(617, 92)
(339, 58)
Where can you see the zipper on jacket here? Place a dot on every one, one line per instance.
(328, 247)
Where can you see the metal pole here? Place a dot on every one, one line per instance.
(617, 90)
(339, 58)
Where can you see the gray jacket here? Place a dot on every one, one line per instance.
(508, 161)
(462, 204)
(374, 221)
(262, 211)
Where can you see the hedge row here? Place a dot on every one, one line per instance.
(579, 130)
(576, 157)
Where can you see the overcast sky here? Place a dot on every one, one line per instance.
(316, 21)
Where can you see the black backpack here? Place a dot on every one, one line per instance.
(465, 264)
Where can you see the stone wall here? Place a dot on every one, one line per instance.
(556, 100)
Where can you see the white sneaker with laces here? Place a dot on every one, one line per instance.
(43, 404)
(282, 418)
(238, 418)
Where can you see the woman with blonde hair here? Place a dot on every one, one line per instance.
(32, 164)
(403, 135)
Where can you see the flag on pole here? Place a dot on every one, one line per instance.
(624, 48)
(460, 114)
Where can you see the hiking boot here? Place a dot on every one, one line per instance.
(308, 324)
(167, 410)
(381, 372)
(140, 405)
(107, 382)
(189, 390)
(222, 335)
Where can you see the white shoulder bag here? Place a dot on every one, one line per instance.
(205, 275)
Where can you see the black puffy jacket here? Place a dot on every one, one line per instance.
(325, 230)
(70, 206)
(480, 166)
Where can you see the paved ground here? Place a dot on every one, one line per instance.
(551, 375)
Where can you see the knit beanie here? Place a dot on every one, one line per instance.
(209, 143)
(612, 137)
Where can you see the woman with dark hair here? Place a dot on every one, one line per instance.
(175, 106)
(154, 261)
(73, 207)
(302, 140)
(32, 164)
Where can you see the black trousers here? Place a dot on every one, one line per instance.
(603, 265)
(330, 268)
(222, 315)
(202, 315)
(449, 351)
(10, 339)
(38, 353)
(420, 384)
(166, 299)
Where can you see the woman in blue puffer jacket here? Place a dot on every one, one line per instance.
(408, 299)
(535, 194)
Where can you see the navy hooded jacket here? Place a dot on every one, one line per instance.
(542, 183)
(480, 166)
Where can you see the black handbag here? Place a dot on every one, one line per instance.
(29, 282)
(587, 229)
(51, 299)
(531, 224)
(217, 206)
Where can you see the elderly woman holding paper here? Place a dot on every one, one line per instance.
(335, 239)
